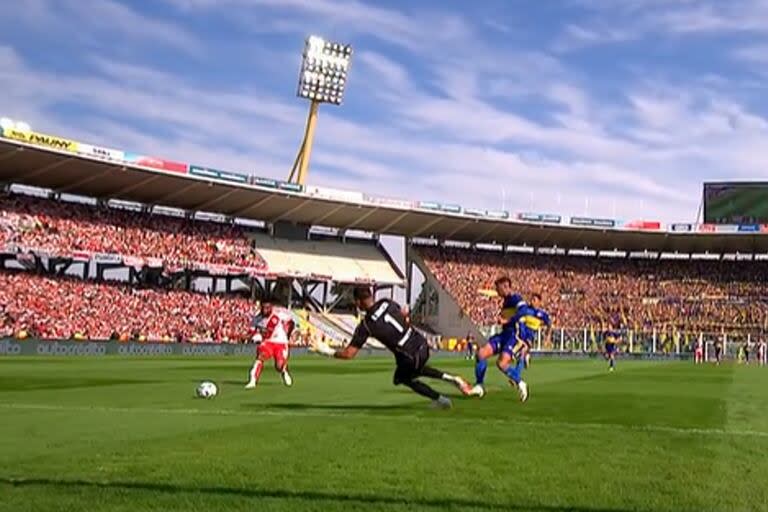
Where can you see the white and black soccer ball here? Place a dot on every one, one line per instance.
(206, 389)
(477, 390)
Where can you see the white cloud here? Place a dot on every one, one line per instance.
(577, 37)
(384, 71)
(336, 17)
(459, 123)
(106, 19)
(755, 55)
(619, 22)
(227, 129)
(732, 16)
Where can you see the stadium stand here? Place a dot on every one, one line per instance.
(63, 307)
(346, 263)
(348, 321)
(328, 329)
(99, 310)
(59, 227)
(587, 291)
(582, 293)
(64, 228)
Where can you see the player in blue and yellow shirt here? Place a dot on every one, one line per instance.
(508, 344)
(528, 322)
(541, 321)
(611, 339)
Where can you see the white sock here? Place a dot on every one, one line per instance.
(252, 373)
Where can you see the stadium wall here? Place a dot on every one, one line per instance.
(64, 348)
(448, 318)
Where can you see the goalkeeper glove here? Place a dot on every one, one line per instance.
(322, 348)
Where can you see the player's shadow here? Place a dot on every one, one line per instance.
(239, 383)
(333, 407)
(352, 500)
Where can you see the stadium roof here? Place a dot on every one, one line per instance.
(64, 171)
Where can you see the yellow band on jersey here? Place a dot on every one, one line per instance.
(532, 322)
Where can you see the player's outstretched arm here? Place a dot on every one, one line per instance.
(348, 352)
(322, 348)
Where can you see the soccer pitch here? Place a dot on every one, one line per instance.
(115, 434)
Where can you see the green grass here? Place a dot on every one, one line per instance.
(113, 434)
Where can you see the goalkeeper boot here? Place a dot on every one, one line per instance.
(442, 402)
(462, 385)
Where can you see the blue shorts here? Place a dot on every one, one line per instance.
(610, 348)
(505, 342)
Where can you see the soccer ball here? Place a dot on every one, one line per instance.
(206, 389)
(477, 390)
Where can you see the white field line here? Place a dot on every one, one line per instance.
(437, 416)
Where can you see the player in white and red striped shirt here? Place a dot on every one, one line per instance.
(274, 327)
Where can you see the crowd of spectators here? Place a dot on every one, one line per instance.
(32, 305)
(638, 294)
(59, 227)
(579, 292)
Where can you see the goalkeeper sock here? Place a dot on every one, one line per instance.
(422, 389)
(481, 366)
(433, 373)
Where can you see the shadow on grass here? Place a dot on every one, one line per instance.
(241, 383)
(9, 384)
(316, 496)
(336, 407)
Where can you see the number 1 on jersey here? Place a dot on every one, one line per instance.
(394, 323)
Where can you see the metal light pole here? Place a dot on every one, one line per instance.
(322, 79)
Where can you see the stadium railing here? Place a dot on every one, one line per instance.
(586, 340)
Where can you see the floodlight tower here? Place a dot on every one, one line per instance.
(322, 79)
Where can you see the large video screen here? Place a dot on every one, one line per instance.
(736, 203)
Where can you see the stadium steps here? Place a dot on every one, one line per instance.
(449, 319)
(337, 335)
(339, 328)
(346, 323)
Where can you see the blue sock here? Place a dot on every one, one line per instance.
(481, 365)
(611, 362)
(515, 372)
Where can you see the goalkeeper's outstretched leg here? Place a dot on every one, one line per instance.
(410, 367)
(385, 321)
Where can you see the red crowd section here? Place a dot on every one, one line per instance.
(61, 308)
(63, 227)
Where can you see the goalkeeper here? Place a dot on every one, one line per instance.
(384, 320)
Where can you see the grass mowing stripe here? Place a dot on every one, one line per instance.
(348, 414)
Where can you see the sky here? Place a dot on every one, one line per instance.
(615, 108)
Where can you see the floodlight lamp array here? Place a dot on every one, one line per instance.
(324, 68)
